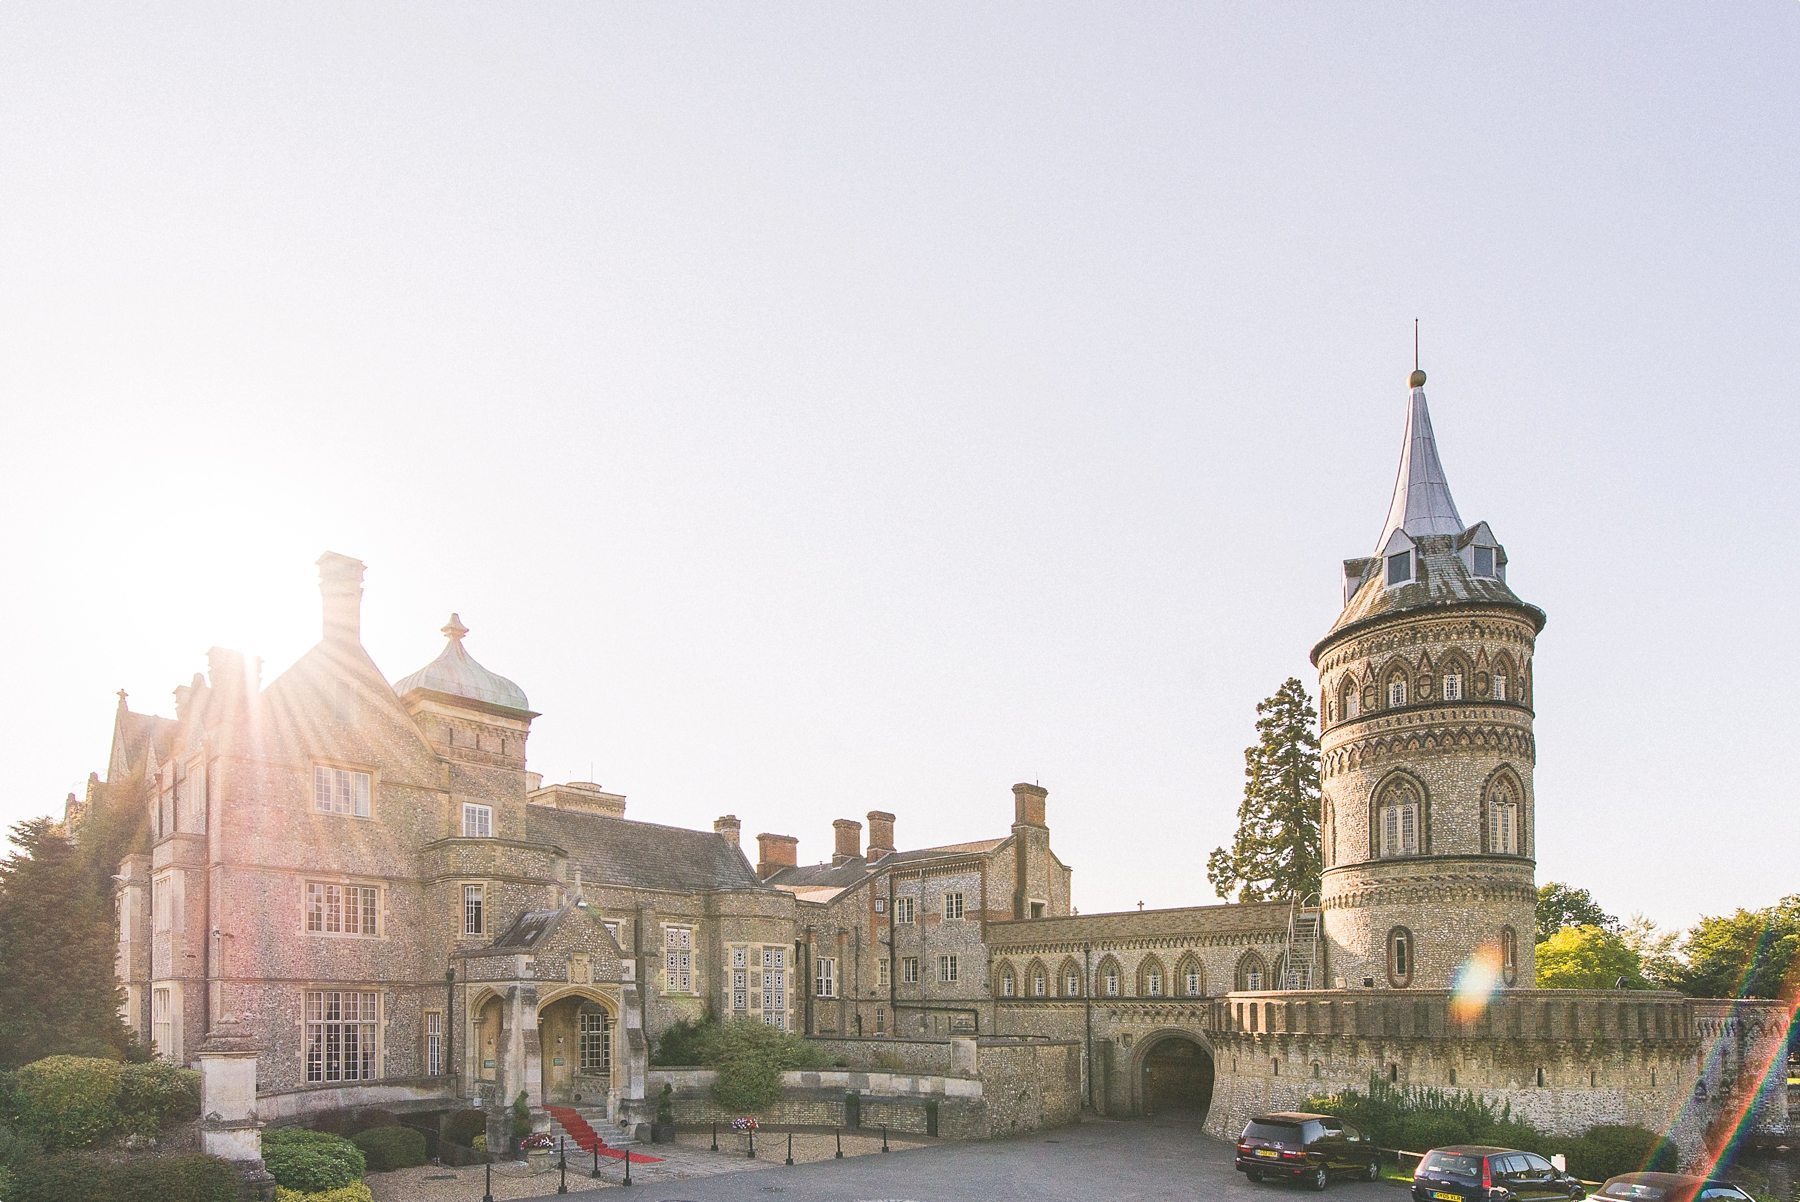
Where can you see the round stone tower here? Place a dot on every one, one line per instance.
(1426, 752)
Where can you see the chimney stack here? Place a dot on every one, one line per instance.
(340, 589)
(775, 852)
(1028, 805)
(881, 834)
(848, 832)
(727, 828)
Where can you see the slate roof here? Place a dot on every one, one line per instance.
(850, 872)
(642, 855)
(137, 734)
(1443, 579)
(1421, 503)
(526, 930)
(1229, 918)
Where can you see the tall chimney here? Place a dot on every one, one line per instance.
(848, 832)
(775, 852)
(727, 827)
(340, 589)
(881, 834)
(1028, 805)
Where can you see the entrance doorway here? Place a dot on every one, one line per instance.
(1177, 1078)
(579, 1043)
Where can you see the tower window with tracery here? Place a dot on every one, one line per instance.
(1397, 821)
(1503, 824)
(1453, 686)
(1396, 693)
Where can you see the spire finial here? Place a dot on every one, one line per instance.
(454, 629)
(1417, 379)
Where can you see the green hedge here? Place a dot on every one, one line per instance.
(311, 1161)
(388, 1148)
(464, 1125)
(1607, 1151)
(356, 1191)
(157, 1095)
(69, 1101)
(142, 1179)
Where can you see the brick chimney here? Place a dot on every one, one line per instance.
(775, 852)
(881, 834)
(1028, 805)
(727, 827)
(848, 832)
(340, 588)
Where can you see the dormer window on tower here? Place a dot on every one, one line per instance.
(1399, 559)
(1400, 568)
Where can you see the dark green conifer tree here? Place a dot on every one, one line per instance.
(1276, 852)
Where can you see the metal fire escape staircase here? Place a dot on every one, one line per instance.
(1303, 964)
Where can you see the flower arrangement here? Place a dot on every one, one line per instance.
(745, 1123)
(537, 1142)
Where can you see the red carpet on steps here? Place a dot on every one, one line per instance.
(588, 1139)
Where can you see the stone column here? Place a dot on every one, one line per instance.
(229, 1128)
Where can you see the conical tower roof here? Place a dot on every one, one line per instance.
(1422, 503)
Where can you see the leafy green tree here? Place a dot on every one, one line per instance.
(1561, 905)
(1749, 953)
(1587, 957)
(1656, 949)
(57, 990)
(1276, 852)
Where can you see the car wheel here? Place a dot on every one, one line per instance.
(1373, 1172)
(1321, 1178)
(1577, 1194)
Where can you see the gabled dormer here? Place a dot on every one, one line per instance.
(1399, 557)
(1482, 553)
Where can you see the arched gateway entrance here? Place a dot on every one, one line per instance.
(1175, 1077)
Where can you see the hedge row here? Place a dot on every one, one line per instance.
(311, 1161)
(388, 1148)
(356, 1191)
(142, 1179)
(69, 1102)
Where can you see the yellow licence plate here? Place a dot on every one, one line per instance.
(1446, 1197)
(1271, 1154)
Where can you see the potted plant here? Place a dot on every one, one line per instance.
(662, 1130)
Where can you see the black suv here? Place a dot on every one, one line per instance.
(1305, 1147)
(1474, 1173)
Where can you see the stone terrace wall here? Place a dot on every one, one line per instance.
(1030, 1084)
(928, 1056)
(1564, 1060)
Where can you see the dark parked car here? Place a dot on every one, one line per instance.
(1670, 1187)
(1473, 1173)
(1305, 1147)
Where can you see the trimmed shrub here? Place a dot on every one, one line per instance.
(686, 1043)
(356, 1191)
(386, 1148)
(143, 1179)
(464, 1125)
(157, 1095)
(1607, 1150)
(751, 1058)
(311, 1161)
(374, 1116)
(69, 1101)
(1431, 1129)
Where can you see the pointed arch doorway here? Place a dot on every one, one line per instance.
(1175, 1077)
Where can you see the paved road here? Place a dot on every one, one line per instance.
(1158, 1161)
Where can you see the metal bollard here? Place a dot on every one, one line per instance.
(715, 1137)
(790, 1158)
(837, 1133)
(884, 1146)
(488, 1195)
(562, 1167)
(627, 1180)
(753, 1143)
(596, 1171)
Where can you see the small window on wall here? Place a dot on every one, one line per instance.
(596, 1042)
(826, 976)
(474, 909)
(1499, 686)
(903, 909)
(478, 821)
(1396, 693)
(1038, 984)
(1400, 957)
(1484, 561)
(1453, 686)
(909, 970)
(1072, 984)
(340, 791)
(948, 969)
(1112, 981)
(1509, 955)
(953, 907)
(1400, 568)
(434, 1043)
(1008, 987)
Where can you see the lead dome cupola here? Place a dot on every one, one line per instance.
(456, 673)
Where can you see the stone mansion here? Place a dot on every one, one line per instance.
(369, 878)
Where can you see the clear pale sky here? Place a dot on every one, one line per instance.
(823, 408)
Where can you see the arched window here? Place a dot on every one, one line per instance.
(1039, 980)
(1109, 977)
(1509, 955)
(1400, 957)
(1503, 820)
(1347, 699)
(1453, 681)
(1503, 679)
(1252, 973)
(1396, 691)
(1009, 984)
(1070, 972)
(1189, 980)
(1150, 978)
(1399, 815)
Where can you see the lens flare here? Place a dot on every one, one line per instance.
(1474, 984)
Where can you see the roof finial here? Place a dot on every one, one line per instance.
(454, 629)
(1417, 379)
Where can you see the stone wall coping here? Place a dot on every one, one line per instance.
(895, 1085)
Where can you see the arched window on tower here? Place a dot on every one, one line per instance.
(1503, 820)
(1009, 984)
(1397, 820)
(1347, 699)
(1509, 955)
(1400, 957)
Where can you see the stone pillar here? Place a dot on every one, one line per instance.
(229, 1128)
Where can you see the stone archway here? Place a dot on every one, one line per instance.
(1174, 1076)
(581, 1048)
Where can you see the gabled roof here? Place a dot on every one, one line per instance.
(853, 871)
(135, 736)
(642, 855)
